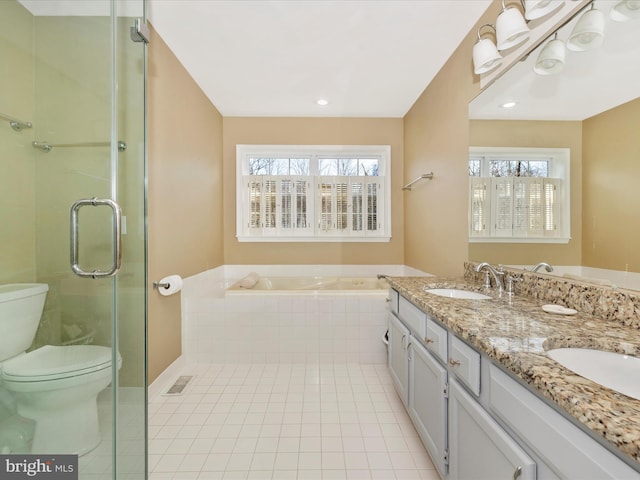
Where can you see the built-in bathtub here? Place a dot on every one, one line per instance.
(325, 285)
(289, 318)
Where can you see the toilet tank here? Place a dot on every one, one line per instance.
(21, 307)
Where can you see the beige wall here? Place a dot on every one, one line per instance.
(487, 133)
(611, 209)
(185, 193)
(313, 131)
(437, 139)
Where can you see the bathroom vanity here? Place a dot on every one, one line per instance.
(487, 400)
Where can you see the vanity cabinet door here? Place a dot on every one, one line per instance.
(427, 402)
(479, 448)
(397, 356)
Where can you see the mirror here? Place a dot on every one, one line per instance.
(592, 107)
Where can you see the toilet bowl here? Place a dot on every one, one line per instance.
(57, 387)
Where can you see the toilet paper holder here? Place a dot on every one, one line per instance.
(169, 285)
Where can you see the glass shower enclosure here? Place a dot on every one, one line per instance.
(72, 216)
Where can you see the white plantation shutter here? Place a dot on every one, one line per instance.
(502, 206)
(480, 208)
(349, 206)
(375, 206)
(254, 204)
(520, 206)
(535, 206)
(310, 193)
(519, 195)
(342, 205)
(278, 205)
(365, 205)
(552, 213)
(326, 206)
(302, 205)
(359, 204)
(269, 186)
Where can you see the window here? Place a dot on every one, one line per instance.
(313, 193)
(519, 195)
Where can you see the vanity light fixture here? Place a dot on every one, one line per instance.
(625, 10)
(510, 104)
(588, 32)
(485, 54)
(323, 102)
(511, 28)
(534, 9)
(551, 59)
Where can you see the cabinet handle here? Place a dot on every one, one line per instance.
(454, 363)
(517, 472)
(387, 300)
(427, 340)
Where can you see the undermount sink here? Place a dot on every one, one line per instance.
(613, 370)
(457, 293)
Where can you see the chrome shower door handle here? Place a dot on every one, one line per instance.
(117, 237)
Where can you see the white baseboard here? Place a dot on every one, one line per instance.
(166, 378)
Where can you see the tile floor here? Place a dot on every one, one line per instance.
(279, 422)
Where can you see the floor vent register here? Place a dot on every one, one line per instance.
(179, 385)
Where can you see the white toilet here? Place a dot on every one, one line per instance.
(56, 386)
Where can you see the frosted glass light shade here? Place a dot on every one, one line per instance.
(588, 32)
(625, 10)
(511, 28)
(551, 59)
(539, 8)
(485, 56)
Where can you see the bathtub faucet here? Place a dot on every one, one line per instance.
(380, 276)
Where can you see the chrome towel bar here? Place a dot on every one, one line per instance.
(424, 175)
(47, 147)
(17, 125)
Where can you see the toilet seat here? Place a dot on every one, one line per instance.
(53, 362)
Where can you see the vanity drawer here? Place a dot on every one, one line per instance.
(436, 339)
(393, 300)
(415, 318)
(464, 361)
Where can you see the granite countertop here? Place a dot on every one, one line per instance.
(515, 332)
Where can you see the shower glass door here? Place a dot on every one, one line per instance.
(74, 79)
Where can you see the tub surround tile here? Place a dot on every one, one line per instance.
(289, 327)
(515, 332)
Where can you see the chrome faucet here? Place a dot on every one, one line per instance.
(497, 274)
(546, 266)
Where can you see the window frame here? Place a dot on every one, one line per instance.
(315, 153)
(559, 168)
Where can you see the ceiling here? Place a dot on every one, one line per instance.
(591, 82)
(367, 58)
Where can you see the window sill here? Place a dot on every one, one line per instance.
(549, 240)
(323, 239)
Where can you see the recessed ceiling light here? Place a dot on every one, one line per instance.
(323, 102)
(508, 105)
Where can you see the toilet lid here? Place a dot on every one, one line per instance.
(53, 361)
